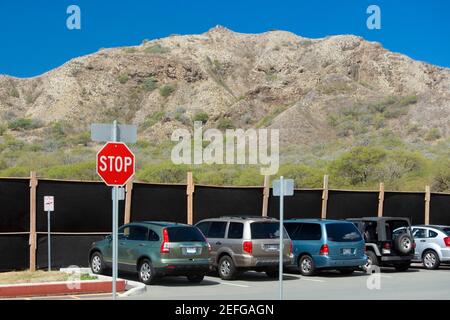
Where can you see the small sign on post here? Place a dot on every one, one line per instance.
(282, 187)
(49, 206)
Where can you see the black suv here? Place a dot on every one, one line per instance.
(389, 241)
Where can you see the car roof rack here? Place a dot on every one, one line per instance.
(248, 217)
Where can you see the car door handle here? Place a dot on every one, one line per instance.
(422, 240)
(141, 244)
(218, 243)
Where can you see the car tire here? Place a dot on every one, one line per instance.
(372, 260)
(97, 263)
(401, 267)
(196, 278)
(430, 260)
(272, 273)
(404, 244)
(346, 271)
(146, 272)
(306, 266)
(226, 269)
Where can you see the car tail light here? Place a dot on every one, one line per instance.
(165, 243)
(386, 248)
(413, 245)
(386, 245)
(324, 250)
(447, 241)
(247, 246)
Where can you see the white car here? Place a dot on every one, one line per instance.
(432, 245)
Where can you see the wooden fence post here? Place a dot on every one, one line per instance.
(324, 197)
(266, 194)
(427, 204)
(381, 200)
(128, 192)
(190, 198)
(32, 238)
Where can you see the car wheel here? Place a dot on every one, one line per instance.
(402, 266)
(146, 272)
(372, 260)
(196, 278)
(346, 271)
(272, 273)
(404, 243)
(226, 269)
(97, 263)
(431, 260)
(306, 265)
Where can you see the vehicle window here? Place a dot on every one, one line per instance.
(266, 230)
(293, 229)
(217, 229)
(138, 233)
(432, 234)
(235, 230)
(446, 230)
(370, 231)
(310, 231)
(342, 232)
(152, 235)
(419, 233)
(203, 227)
(396, 227)
(185, 234)
(123, 232)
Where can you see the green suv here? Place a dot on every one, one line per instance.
(155, 249)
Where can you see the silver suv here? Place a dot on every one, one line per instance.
(241, 243)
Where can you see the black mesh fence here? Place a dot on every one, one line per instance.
(14, 205)
(440, 209)
(85, 207)
(345, 204)
(14, 252)
(405, 204)
(212, 202)
(66, 250)
(79, 206)
(303, 204)
(159, 202)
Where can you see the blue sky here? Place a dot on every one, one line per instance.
(34, 37)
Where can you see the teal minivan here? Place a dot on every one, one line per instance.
(154, 249)
(326, 244)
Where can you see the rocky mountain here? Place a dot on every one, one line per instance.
(314, 90)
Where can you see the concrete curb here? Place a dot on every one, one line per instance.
(132, 288)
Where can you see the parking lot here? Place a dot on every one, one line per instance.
(417, 283)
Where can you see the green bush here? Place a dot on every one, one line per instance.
(123, 78)
(156, 49)
(3, 128)
(153, 118)
(24, 124)
(267, 120)
(433, 134)
(82, 170)
(166, 90)
(225, 123)
(166, 172)
(15, 172)
(150, 84)
(201, 116)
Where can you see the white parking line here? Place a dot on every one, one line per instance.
(314, 280)
(236, 285)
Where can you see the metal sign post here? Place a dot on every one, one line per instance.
(115, 133)
(49, 206)
(282, 188)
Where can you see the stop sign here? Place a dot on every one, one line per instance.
(115, 163)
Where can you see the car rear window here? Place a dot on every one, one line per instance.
(184, 234)
(447, 231)
(266, 230)
(342, 232)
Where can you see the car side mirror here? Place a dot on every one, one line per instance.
(108, 237)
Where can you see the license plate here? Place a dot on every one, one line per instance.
(191, 250)
(271, 247)
(347, 251)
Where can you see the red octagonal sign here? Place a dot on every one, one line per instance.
(115, 163)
